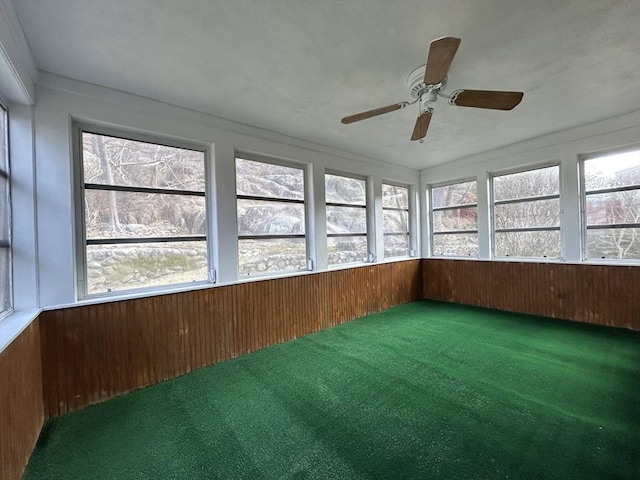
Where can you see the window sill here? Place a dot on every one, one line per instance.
(559, 261)
(614, 262)
(131, 295)
(14, 324)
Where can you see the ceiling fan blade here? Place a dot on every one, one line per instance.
(422, 125)
(487, 99)
(372, 113)
(441, 53)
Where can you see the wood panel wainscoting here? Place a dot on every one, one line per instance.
(599, 294)
(95, 352)
(21, 408)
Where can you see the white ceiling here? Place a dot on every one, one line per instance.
(298, 66)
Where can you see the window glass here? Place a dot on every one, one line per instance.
(342, 220)
(109, 160)
(339, 189)
(526, 213)
(140, 214)
(395, 214)
(454, 220)
(258, 217)
(612, 171)
(346, 249)
(454, 194)
(272, 255)
(532, 183)
(260, 179)
(395, 196)
(271, 218)
(537, 213)
(612, 206)
(544, 244)
(346, 200)
(457, 245)
(144, 214)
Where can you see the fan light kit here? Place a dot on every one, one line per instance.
(426, 84)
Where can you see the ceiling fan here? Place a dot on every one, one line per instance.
(426, 83)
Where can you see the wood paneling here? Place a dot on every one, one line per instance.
(599, 294)
(92, 353)
(21, 411)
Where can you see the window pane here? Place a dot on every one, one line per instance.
(131, 214)
(346, 220)
(118, 161)
(539, 213)
(456, 244)
(396, 246)
(256, 217)
(532, 183)
(617, 170)
(5, 279)
(395, 221)
(271, 255)
(112, 268)
(394, 196)
(6, 300)
(455, 219)
(613, 243)
(528, 244)
(4, 206)
(346, 249)
(456, 194)
(4, 160)
(614, 207)
(340, 189)
(262, 179)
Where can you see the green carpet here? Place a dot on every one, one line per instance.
(421, 391)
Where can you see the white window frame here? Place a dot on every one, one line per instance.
(431, 209)
(583, 205)
(368, 208)
(492, 203)
(409, 212)
(79, 188)
(5, 176)
(307, 202)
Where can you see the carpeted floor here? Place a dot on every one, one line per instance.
(422, 391)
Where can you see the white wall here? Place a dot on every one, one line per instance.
(62, 101)
(564, 147)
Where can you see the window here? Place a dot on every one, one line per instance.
(271, 218)
(454, 219)
(5, 218)
(526, 213)
(395, 211)
(346, 199)
(611, 205)
(144, 214)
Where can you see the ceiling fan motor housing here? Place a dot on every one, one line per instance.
(417, 87)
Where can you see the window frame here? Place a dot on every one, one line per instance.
(431, 209)
(80, 232)
(409, 212)
(5, 176)
(306, 202)
(582, 158)
(492, 203)
(369, 257)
